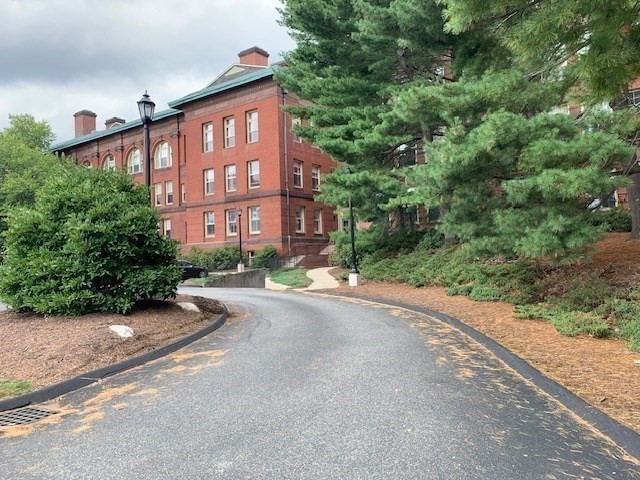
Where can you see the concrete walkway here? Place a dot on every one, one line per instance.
(321, 279)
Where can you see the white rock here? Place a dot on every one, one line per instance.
(122, 330)
(188, 306)
(637, 362)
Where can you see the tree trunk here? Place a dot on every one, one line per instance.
(634, 204)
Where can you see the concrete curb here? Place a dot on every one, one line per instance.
(75, 383)
(622, 435)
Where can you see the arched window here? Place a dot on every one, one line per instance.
(109, 163)
(163, 155)
(134, 161)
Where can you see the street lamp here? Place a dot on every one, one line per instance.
(240, 262)
(354, 274)
(146, 107)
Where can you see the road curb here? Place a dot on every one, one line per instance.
(82, 380)
(622, 435)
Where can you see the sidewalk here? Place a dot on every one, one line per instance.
(320, 277)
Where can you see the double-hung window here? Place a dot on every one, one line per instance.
(209, 224)
(294, 136)
(229, 132)
(207, 137)
(254, 219)
(208, 181)
(252, 126)
(158, 191)
(110, 163)
(317, 221)
(315, 177)
(230, 178)
(163, 155)
(297, 174)
(168, 186)
(299, 219)
(232, 222)
(134, 162)
(253, 172)
(166, 227)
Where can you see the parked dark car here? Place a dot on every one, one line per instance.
(190, 270)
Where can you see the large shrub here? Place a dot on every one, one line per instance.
(224, 258)
(89, 243)
(264, 257)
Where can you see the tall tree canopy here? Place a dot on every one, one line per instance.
(510, 176)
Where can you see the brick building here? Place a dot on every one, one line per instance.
(224, 148)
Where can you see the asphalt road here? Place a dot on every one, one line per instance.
(300, 387)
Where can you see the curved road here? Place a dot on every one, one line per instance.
(300, 387)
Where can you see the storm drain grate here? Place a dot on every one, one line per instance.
(22, 416)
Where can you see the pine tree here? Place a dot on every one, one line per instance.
(510, 177)
(598, 41)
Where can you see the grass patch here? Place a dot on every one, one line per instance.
(13, 388)
(291, 277)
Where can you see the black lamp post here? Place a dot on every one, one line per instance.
(146, 108)
(240, 263)
(354, 261)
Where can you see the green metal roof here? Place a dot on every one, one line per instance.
(252, 77)
(104, 133)
(221, 87)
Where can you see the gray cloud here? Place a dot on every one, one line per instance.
(60, 56)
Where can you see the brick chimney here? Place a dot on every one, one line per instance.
(85, 122)
(113, 122)
(254, 56)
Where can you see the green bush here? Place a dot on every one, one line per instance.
(263, 258)
(382, 243)
(224, 258)
(570, 323)
(89, 243)
(616, 220)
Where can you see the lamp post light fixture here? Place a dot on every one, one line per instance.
(354, 274)
(146, 108)
(240, 262)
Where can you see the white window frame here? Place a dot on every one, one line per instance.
(228, 214)
(166, 222)
(183, 192)
(157, 188)
(109, 162)
(229, 178)
(315, 177)
(298, 173)
(159, 158)
(207, 137)
(209, 182)
(254, 216)
(253, 173)
(252, 126)
(134, 167)
(295, 137)
(300, 218)
(229, 132)
(209, 221)
(317, 221)
(168, 195)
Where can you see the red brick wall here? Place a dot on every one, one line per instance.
(184, 132)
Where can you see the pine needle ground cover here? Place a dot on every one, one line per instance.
(598, 298)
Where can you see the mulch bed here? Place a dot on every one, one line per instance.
(46, 350)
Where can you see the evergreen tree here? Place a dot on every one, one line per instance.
(598, 41)
(510, 177)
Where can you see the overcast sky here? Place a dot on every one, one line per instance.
(62, 56)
